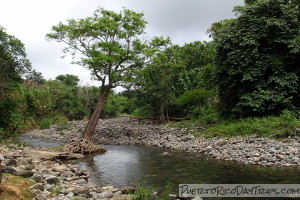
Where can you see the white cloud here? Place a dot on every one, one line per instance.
(183, 20)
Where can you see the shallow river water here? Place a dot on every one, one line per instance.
(124, 165)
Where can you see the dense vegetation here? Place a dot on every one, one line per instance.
(244, 81)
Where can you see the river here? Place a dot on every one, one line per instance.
(124, 165)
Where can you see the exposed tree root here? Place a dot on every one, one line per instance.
(83, 146)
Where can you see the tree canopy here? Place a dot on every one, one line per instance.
(106, 43)
(13, 64)
(258, 59)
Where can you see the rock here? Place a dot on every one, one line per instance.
(80, 181)
(83, 198)
(51, 179)
(128, 190)
(11, 162)
(70, 195)
(37, 186)
(48, 163)
(59, 168)
(50, 187)
(24, 161)
(10, 170)
(79, 173)
(281, 157)
(118, 193)
(41, 197)
(106, 194)
(29, 167)
(49, 155)
(272, 150)
(292, 150)
(81, 190)
(23, 173)
(166, 154)
(124, 197)
(37, 178)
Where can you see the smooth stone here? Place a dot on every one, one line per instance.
(166, 154)
(81, 190)
(106, 194)
(51, 179)
(11, 162)
(38, 186)
(41, 197)
(24, 173)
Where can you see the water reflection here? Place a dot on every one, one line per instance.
(127, 165)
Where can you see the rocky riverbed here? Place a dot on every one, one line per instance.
(252, 150)
(54, 180)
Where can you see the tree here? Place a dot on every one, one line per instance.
(258, 59)
(65, 100)
(13, 64)
(36, 77)
(108, 45)
(68, 79)
(172, 71)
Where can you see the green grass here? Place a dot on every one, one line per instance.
(273, 127)
(57, 190)
(22, 184)
(145, 192)
(45, 123)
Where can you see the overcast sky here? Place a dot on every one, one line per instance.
(29, 20)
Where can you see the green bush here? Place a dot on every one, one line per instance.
(271, 126)
(207, 115)
(145, 111)
(144, 193)
(147, 193)
(45, 123)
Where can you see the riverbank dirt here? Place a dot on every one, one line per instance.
(252, 150)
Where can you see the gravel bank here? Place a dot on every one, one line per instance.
(248, 150)
(54, 180)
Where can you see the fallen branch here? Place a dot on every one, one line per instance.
(157, 118)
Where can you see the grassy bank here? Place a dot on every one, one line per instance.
(287, 124)
(16, 188)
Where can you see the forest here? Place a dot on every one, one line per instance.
(244, 81)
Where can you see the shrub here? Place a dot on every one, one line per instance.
(144, 193)
(207, 115)
(144, 111)
(282, 126)
(45, 123)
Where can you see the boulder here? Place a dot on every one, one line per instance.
(23, 173)
(38, 186)
(11, 162)
(24, 161)
(81, 190)
(51, 179)
(106, 194)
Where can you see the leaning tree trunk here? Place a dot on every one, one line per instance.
(86, 145)
(91, 126)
